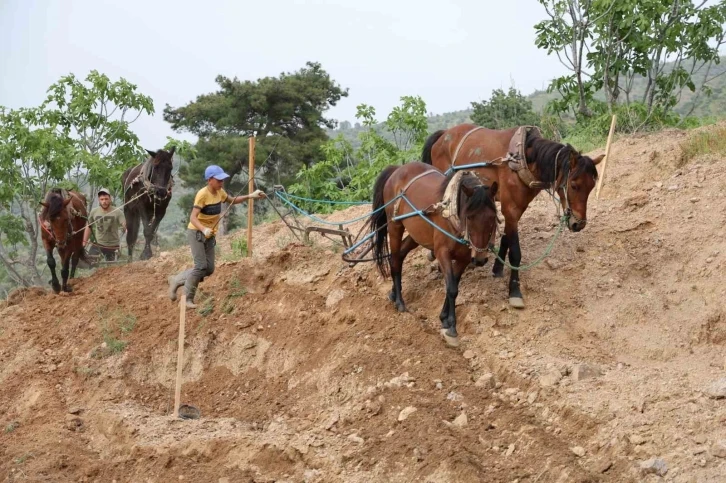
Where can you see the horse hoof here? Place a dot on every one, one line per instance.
(431, 257)
(498, 274)
(392, 296)
(68, 290)
(516, 302)
(401, 308)
(451, 341)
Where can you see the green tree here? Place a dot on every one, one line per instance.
(95, 115)
(504, 110)
(285, 113)
(614, 44)
(345, 174)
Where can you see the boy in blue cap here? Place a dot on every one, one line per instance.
(202, 230)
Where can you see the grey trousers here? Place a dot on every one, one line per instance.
(203, 255)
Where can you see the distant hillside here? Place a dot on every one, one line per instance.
(713, 106)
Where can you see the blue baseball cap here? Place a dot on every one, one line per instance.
(214, 171)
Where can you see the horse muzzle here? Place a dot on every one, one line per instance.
(577, 225)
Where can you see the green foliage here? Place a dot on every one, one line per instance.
(504, 111)
(629, 40)
(94, 115)
(346, 174)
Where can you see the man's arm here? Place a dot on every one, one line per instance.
(239, 199)
(86, 235)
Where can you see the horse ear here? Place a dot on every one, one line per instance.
(493, 189)
(171, 151)
(598, 159)
(574, 156)
(66, 201)
(44, 204)
(151, 153)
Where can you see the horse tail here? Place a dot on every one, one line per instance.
(378, 223)
(428, 145)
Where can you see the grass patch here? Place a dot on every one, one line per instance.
(11, 427)
(239, 247)
(236, 291)
(205, 304)
(711, 141)
(586, 142)
(22, 459)
(114, 325)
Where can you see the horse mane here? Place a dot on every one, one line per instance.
(480, 199)
(550, 157)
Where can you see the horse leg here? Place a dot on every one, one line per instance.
(65, 270)
(516, 299)
(148, 233)
(407, 245)
(498, 268)
(453, 269)
(74, 262)
(150, 230)
(399, 248)
(51, 265)
(132, 232)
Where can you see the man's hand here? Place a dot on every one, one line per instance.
(257, 194)
(207, 232)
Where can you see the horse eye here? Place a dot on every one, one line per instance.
(574, 187)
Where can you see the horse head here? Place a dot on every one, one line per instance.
(574, 185)
(55, 217)
(479, 215)
(158, 170)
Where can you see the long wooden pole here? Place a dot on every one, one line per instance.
(607, 156)
(180, 354)
(250, 202)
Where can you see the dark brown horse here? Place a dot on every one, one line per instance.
(147, 193)
(549, 165)
(62, 221)
(458, 222)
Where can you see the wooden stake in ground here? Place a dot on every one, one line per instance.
(250, 202)
(607, 156)
(180, 354)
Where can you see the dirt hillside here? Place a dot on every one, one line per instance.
(304, 372)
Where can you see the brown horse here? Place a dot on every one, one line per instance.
(543, 163)
(454, 216)
(62, 221)
(147, 194)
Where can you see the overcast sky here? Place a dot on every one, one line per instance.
(448, 52)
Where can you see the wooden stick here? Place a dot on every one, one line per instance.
(607, 155)
(180, 354)
(250, 202)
